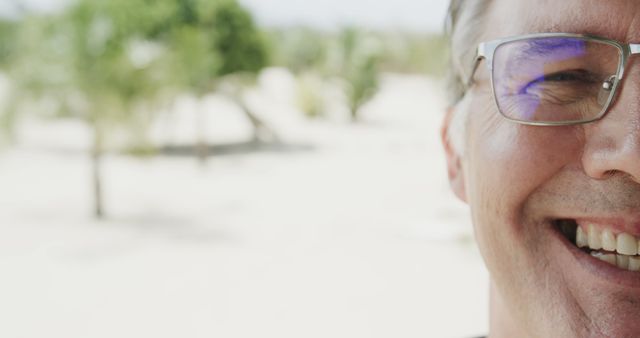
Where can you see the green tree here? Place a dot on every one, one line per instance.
(214, 43)
(8, 30)
(239, 42)
(300, 49)
(244, 53)
(305, 53)
(94, 62)
(424, 53)
(8, 50)
(360, 55)
(111, 63)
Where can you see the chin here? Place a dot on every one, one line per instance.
(590, 282)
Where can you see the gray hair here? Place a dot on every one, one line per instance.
(465, 25)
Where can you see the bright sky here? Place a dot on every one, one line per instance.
(420, 15)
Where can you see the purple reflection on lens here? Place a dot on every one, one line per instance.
(530, 61)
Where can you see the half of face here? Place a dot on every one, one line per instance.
(556, 210)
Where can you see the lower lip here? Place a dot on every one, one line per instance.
(603, 271)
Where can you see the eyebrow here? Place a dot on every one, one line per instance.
(589, 30)
(546, 46)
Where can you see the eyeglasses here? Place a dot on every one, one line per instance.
(554, 79)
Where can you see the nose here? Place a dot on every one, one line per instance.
(612, 145)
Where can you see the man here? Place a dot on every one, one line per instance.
(543, 143)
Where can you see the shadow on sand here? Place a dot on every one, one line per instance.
(238, 148)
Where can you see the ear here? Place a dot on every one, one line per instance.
(454, 158)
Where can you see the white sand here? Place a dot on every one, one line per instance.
(355, 235)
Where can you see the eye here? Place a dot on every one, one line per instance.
(576, 78)
(572, 75)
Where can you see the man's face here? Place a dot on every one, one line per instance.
(520, 181)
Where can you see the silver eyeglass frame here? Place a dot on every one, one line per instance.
(486, 51)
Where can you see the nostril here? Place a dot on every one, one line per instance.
(610, 151)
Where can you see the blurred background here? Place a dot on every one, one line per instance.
(229, 168)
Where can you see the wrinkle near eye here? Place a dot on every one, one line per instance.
(491, 120)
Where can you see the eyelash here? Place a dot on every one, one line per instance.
(562, 76)
(573, 75)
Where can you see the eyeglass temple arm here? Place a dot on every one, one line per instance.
(480, 55)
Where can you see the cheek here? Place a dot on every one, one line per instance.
(506, 163)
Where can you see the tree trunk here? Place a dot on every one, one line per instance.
(354, 112)
(96, 164)
(261, 132)
(202, 146)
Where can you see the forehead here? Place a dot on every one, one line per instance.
(616, 19)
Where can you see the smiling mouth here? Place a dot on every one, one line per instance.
(618, 249)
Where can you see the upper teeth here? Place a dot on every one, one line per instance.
(596, 239)
(624, 244)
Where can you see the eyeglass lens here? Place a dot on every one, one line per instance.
(554, 79)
